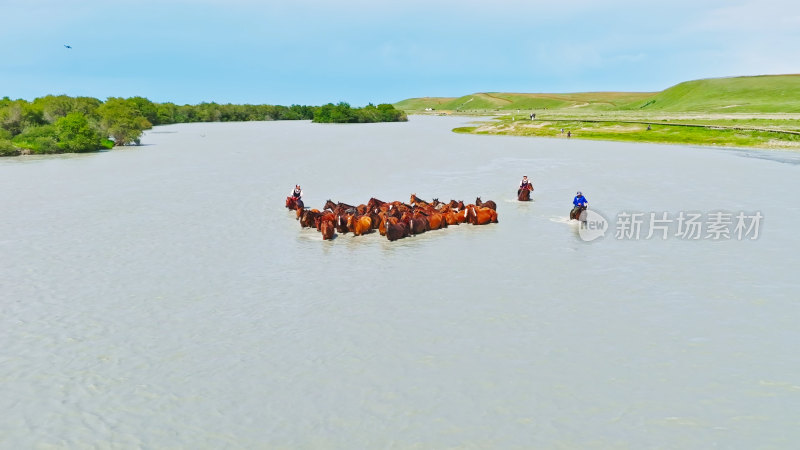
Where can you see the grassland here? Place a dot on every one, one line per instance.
(756, 112)
(495, 101)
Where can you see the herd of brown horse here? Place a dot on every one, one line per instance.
(395, 220)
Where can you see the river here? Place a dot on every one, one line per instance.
(161, 296)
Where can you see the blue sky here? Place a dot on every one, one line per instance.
(314, 52)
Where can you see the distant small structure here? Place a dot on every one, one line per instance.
(429, 109)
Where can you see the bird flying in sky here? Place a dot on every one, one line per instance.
(68, 46)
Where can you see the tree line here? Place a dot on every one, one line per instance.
(343, 113)
(63, 124)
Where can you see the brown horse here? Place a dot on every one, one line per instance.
(308, 217)
(416, 201)
(375, 218)
(458, 205)
(324, 216)
(383, 218)
(577, 213)
(327, 228)
(341, 222)
(294, 203)
(461, 216)
(337, 207)
(486, 204)
(477, 215)
(417, 223)
(451, 217)
(374, 203)
(359, 224)
(435, 219)
(330, 205)
(396, 229)
(524, 195)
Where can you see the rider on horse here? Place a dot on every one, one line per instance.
(295, 200)
(297, 193)
(524, 184)
(580, 204)
(580, 200)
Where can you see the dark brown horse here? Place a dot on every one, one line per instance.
(330, 205)
(524, 195)
(486, 204)
(375, 217)
(308, 217)
(396, 229)
(337, 207)
(457, 205)
(341, 221)
(374, 203)
(417, 223)
(577, 213)
(399, 207)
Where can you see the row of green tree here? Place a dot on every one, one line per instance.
(343, 113)
(62, 124)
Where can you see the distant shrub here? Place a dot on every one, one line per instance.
(75, 134)
(650, 102)
(7, 148)
(38, 139)
(44, 145)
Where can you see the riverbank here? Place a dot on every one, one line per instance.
(755, 112)
(62, 124)
(751, 131)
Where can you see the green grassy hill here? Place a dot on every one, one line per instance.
(762, 94)
(419, 104)
(759, 94)
(511, 101)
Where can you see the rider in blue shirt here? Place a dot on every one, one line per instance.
(580, 200)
